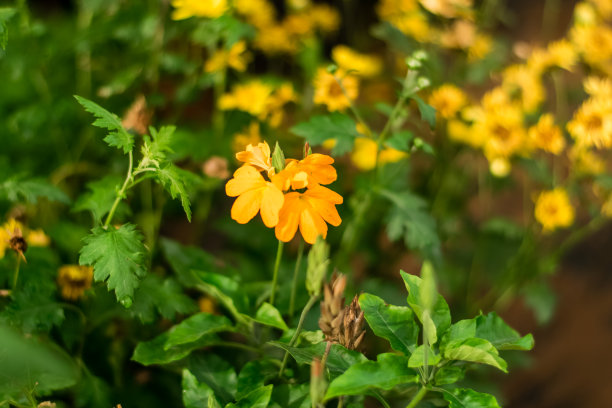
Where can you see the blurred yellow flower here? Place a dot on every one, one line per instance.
(249, 136)
(259, 13)
(328, 89)
(365, 151)
(275, 39)
(553, 210)
(594, 43)
(460, 132)
(324, 18)
(547, 136)
(198, 8)
(407, 17)
(526, 85)
(11, 236)
(598, 87)
(350, 60)
(447, 8)
(236, 57)
(586, 162)
(37, 238)
(480, 48)
(74, 280)
(603, 7)
(251, 97)
(500, 167)
(592, 123)
(447, 100)
(560, 54)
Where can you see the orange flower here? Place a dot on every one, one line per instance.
(313, 169)
(255, 194)
(258, 157)
(309, 210)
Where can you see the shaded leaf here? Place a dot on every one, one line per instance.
(291, 396)
(196, 394)
(338, 361)
(195, 327)
(449, 375)
(417, 359)
(428, 112)
(217, 373)
(164, 296)
(154, 351)
(20, 188)
(100, 197)
(254, 375)
(258, 398)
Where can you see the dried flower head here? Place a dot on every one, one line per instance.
(352, 331)
(332, 308)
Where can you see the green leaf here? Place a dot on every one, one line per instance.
(6, 13)
(100, 197)
(409, 219)
(20, 188)
(270, 316)
(217, 373)
(259, 398)
(278, 158)
(154, 351)
(34, 310)
(333, 126)
(162, 295)
(440, 313)
(463, 329)
(338, 361)
(475, 350)
(428, 112)
(400, 141)
(185, 259)
(318, 260)
(467, 398)
(196, 394)
(254, 375)
(195, 327)
(394, 323)
(226, 290)
(291, 396)
(174, 181)
(449, 375)
(388, 371)
(30, 365)
(117, 256)
(417, 359)
(92, 392)
(157, 146)
(118, 136)
(491, 327)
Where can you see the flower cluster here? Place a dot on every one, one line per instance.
(287, 198)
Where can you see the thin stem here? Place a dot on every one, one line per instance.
(296, 271)
(340, 401)
(298, 330)
(417, 398)
(16, 276)
(352, 106)
(425, 348)
(121, 192)
(325, 355)
(279, 255)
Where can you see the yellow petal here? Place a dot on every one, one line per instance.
(312, 225)
(246, 206)
(289, 218)
(271, 204)
(245, 178)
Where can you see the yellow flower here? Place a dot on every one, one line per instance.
(11, 236)
(258, 157)
(546, 135)
(592, 123)
(37, 238)
(255, 194)
(553, 210)
(364, 65)
(560, 54)
(198, 8)
(447, 100)
(324, 18)
(237, 58)
(604, 8)
(251, 97)
(259, 13)
(585, 161)
(274, 107)
(447, 8)
(500, 167)
(74, 280)
(528, 84)
(595, 42)
(249, 136)
(462, 133)
(365, 151)
(275, 39)
(328, 89)
(309, 211)
(480, 48)
(598, 87)
(313, 169)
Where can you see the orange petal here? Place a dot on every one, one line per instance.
(271, 204)
(245, 178)
(327, 210)
(324, 193)
(246, 206)
(312, 225)
(289, 217)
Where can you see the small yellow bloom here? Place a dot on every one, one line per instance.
(257, 156)
(598, 87)
(259, 13)
(553, 210)
(595, 44)
(500, 167)
(324, 18)
(74, 280)
(237, 58)
(586, 162)
(37, 238)
(546, 135)
(329, 92)
(363, 64)
(314, 169)
(592, 123)
(309, 211)
(251, 97)
(448, 100)
(248, 136)
(198, 8)
(526, 84)
(365, 151)
(275, 39)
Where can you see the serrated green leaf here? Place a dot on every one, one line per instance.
(34, 310)
(185, 259)
(6, 13)
(394, 323)
(118, 136)
(20, 188)
(388, 371)
(333, 126)
(417, 359)
(92, 392)
(173, 180)
(162, 295)
(409, 219)
(467, 398)
(338, 361)
(195, 393)
(100, 197)
(440, 313)
(428, 112)
(449, 375)
(270, 316)
(117, 256)
(475, 350)
(259, 398)
(217, 373)
(278, 158)
(157, 146)
(154, 351)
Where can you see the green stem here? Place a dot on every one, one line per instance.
(352, 106)
(296, 271)
(425, 348)
(296, 335)
(417, 398)
(16, 276)
(340, 401)
(121, 192)
(279, 255)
